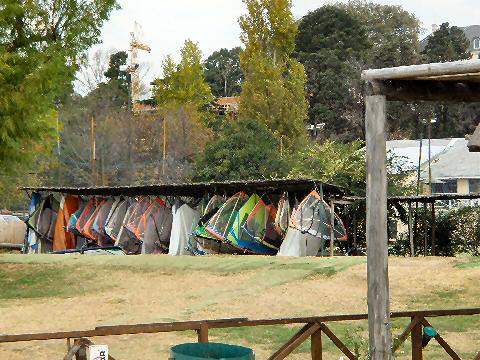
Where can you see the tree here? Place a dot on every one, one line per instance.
(243, 150)
(92, 71)
(447, 44)
(41, 46)
(391, 31)
(329, 40)
(274, 88)
(114, 73)
(183, 95)
(335, 43)
(223, 72)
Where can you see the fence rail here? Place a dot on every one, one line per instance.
(314, 327)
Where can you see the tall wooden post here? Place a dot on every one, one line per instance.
(410, 229)
(332, 226)
(432, 229)
(377, 237)
(355, 229)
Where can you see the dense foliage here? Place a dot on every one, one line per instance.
(243, 150)
(41, 46)
(274, 88)
(183, 97)
(223, 72)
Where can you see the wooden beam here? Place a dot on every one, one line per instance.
(297, 339)
(423, 70)
(316, 345)
(427, 90)
(332, 226)
(377, 237)
(221, 324)
(417, 335)
(338, 343)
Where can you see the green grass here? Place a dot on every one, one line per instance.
(469, 263)
(39, 281)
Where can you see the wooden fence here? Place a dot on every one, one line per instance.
(314, 328)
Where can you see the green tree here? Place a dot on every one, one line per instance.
(343, 164)
(448, 43)
(335, 43)
(41, 46)
(391, 31)
(329, 40)
(243, 150)
(114, 74)
(223, 72)
(274, 88)
(183, 95)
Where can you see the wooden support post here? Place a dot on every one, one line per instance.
(332, 226)
(69, 344)
(203, 333)
(377, 237)
(410, 229)
(355, 229)
(432, 230)
(425, 242)
(316, 345)
(417, 341)
(296, 340)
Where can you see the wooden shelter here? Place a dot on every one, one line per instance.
(455, 81)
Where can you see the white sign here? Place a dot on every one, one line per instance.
(98, 352)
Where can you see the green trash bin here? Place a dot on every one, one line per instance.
(200, 351)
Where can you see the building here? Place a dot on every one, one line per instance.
(225, 105)
(454, 169)
(472, 33)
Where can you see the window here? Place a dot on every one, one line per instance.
(474, 186)
(476, 43)
(445, 187)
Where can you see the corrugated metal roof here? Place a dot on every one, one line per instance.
(456, 162)
(275, 186)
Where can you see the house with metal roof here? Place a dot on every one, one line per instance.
(454, 169)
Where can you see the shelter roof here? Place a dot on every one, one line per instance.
(421, 198)
(452, 81)
(277, 186)
(450, 71)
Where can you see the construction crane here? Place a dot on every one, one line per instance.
(133, 68)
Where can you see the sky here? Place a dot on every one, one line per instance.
(166, 24)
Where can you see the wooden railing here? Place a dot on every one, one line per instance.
(314, 328)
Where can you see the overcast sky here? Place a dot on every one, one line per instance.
(213, 23)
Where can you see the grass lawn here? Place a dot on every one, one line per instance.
(73, 292)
